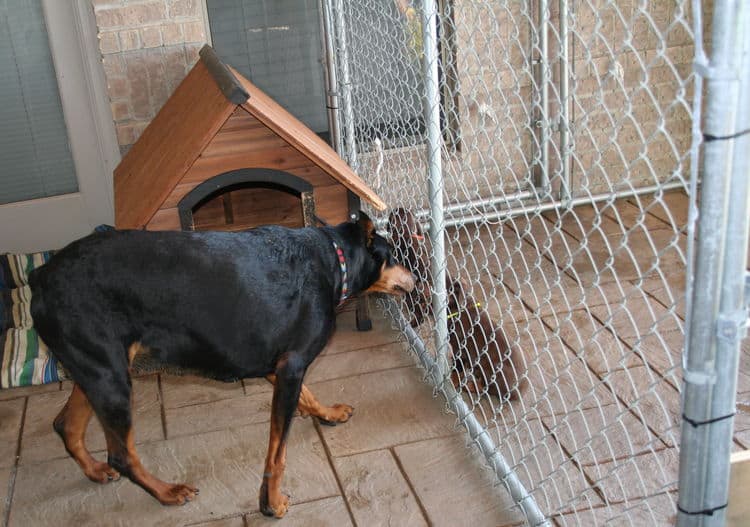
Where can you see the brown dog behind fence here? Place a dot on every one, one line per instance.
(483, 362)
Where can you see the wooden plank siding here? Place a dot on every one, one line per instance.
(168, 147)
(244, 142)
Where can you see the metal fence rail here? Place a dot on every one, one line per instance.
(541, 160)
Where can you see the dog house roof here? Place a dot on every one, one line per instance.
(188, 121)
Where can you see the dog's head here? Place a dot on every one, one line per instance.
(413, 249)
(374, 268)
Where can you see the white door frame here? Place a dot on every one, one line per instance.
(50, 223)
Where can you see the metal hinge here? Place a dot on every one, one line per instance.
(553, 125)
(705, 70)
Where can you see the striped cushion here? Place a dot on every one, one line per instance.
(26, 360)
(15, 268)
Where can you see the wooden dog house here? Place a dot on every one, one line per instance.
(223, 155)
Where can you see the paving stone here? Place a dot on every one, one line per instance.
(25, 391)
(40, 442)
(377, 358)
(743, 383)
(558, 381)
(663, 352)
(637, 318)
(653, 511)
(742, 417)
(179, 391)
(672, 208)
(601, 254)
(504, 271)
(11, 415)
(220, 414)
(609, 293)
(376, 490)
(597, 435)
(234, 521)
(582, 243)
(544, 468)
(226, 466)
(5, 475)
(390, 408)
(348, 338)
(743, 438)
(581, 220)
(652, 399)
(452, 486)
(630, 216)
(636, 477)
(669, 290)
(591, 341)
(321, 513)
(541, 285)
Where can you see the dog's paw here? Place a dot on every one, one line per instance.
(177, 494)
(336, 414)
(278, 509)
(101, 472)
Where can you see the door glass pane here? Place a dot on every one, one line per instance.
(35, 159)
(277, 45)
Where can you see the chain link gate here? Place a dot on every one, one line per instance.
(541, 161)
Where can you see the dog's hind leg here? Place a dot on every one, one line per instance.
(108, 388)
(287, 386)
(309, 405)
(71, 425)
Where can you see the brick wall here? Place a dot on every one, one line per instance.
(147, 47)
(630, 89)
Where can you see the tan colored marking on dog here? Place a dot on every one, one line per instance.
(274, 468)
(309, 405)
(166, 493)
(393, 280)
(71, 424)
(134, 349)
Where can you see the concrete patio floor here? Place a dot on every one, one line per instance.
(593, 438)
(398, 461)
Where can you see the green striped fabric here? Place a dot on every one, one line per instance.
(24, 358)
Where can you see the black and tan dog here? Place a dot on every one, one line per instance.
(229, 305)
(483, 360)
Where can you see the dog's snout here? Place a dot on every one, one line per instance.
(409, 282)
(404, 280)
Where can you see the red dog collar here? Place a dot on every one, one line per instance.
(344, 281)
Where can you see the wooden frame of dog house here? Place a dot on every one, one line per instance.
(223, 155)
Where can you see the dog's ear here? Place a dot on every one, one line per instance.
(367, 226)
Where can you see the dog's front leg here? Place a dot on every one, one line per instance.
(309, 405)
(290, 371)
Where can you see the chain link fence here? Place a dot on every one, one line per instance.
(544, 201)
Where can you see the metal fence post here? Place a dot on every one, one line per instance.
(350, 142)
(732, 308)
(435, 181)
(706, 427)
(331, 75)
(440, 303)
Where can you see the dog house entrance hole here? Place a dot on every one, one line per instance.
(246, 198)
